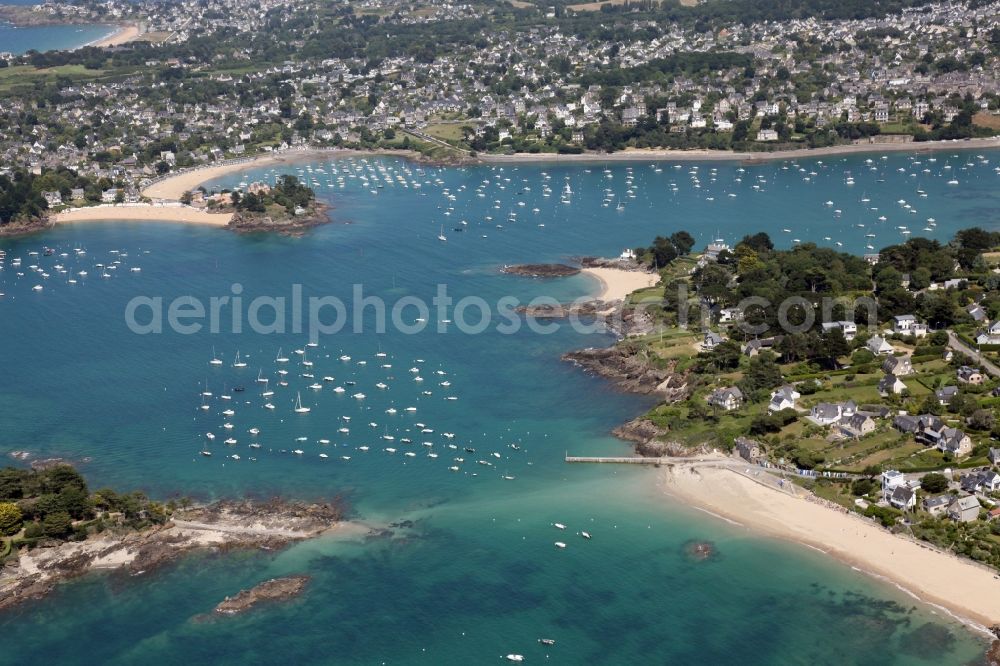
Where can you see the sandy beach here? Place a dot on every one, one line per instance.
(124, 33)
(967, 590)
(143, 212)
(617, 283)
(697, 155)
(172, 187)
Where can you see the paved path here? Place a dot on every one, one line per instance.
(957, 345)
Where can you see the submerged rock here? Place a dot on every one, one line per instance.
(699, 551)
(540, 270)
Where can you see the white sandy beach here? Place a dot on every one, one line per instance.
(143, 212)
(967, 590)
(124, 33)
(617, 283)
(172, 187)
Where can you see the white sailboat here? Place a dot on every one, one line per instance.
(299, 409)
(215, 359)
(441, 236)
(238, 363)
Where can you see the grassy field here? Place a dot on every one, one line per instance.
(984, 119)
(155, 37)
(451, 132)
(26, 75)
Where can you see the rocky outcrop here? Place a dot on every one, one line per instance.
(245, 222)
(276, 589)
(632, 370)
(593, 308)
(540, 270)
(650, 439)
(220, 526)
(620, 264)
(993, 654)
(25, 227)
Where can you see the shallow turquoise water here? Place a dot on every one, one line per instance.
(476, 576)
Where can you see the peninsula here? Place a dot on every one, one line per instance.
(53, 528)
(870, 439)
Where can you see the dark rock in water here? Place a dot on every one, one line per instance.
(929, 641)
(276, 589)
(699, 551)
(561, 311)
(993, 654)
(540, 270)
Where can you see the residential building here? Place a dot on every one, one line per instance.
(783, 397)
(968, 375)
(878, 346)
(749, 449)
(899, 366)
(891, 385)
(728, 398)
(964, 509)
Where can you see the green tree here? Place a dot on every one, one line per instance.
(57, 524)
(934, 483)
(10, 518)
(862, 487)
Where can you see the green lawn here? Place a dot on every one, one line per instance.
(451, 132)
(26, 75)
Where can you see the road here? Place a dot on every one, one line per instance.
(957, 345)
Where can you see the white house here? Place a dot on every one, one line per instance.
(891, 479)
(783, 398)
(891, 385)
(848, 328)
(908, 325)
(828, 413)
(903, 498)
(878, 346)
(727, 315)
(729, 398)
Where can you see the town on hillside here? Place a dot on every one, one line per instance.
(206, 82)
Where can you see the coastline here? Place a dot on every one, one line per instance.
(222, 526)
(967, 591)
(702, 155)
(123, 33)
(174, 185)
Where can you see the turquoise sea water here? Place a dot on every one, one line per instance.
(18, 40)
(474, 574)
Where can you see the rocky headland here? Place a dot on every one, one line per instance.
(220, 526)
